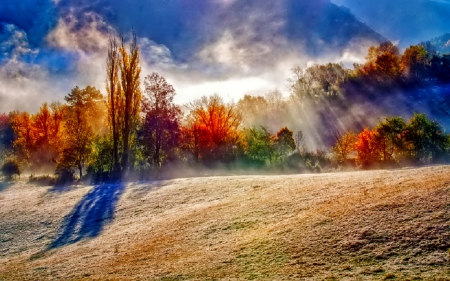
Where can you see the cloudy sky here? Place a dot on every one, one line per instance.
(230, 47)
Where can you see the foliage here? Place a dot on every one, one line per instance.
(368, 148)
(344, 147)
(6, 136)
(260, 145)
(161, 124)
(285, 141)
(426, 140)
(83, 106)
(131, 97)
(124, 99)
(212, 129)
(390, 138)
(39, 136)
(415, 62)
(316, 81)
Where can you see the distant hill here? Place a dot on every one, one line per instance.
(441, 44)
(316, 27)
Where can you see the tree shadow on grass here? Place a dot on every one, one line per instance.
(4, 185)
(141, 189)
(90, 215)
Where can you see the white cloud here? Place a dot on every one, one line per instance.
(14, 43)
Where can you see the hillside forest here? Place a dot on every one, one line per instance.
(334, 118)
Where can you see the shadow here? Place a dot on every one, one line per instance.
(61, 188)
(89, 216)
(141, 189)
(4, 185)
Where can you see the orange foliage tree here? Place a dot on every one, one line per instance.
(212, 128)
(368, 148)
(39, 136)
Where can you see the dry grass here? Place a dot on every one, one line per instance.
(376, 225)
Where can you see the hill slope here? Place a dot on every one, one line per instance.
(366, 225)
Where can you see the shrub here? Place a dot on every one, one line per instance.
(10, 168)
(44, 180)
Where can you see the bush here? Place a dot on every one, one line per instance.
(44, 180)
(64, 176)
(10, 168)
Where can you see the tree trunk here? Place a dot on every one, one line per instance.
(80, 167)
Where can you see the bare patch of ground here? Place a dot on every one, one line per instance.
(375, 225)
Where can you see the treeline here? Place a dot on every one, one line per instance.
(138, 132)
(394, 142)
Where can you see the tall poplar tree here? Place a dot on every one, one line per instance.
(131, 95)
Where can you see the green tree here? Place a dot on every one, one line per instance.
(260, 145)
(426, 139)
(390, 137)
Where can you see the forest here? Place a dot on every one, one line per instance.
(135, 130)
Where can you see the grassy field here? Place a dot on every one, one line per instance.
(374, 225)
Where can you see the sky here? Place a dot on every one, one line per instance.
(202, 47)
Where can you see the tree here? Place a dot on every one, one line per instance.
(253, 109)
(390, 137)
(367, 148)
(382, 63)
(114, 99)
(425, 139)
(82, 107)
(260, 145)
(25, 135)
(131, 99)
(344, 147)
(285, 141)
(213, 126)
(161, 125)
(415, 62)
(6, 136)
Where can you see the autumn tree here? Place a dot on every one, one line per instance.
(344, 147)
(390, 138)
(38, 136)
(124, 99)
(25, 135)
(131, 95)
(83, 107)
(114, 99)
(254, 110)
(367, 148)
(161, 124)
(415, 63)
(215, 124)
(285, 141)
(382, 62)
